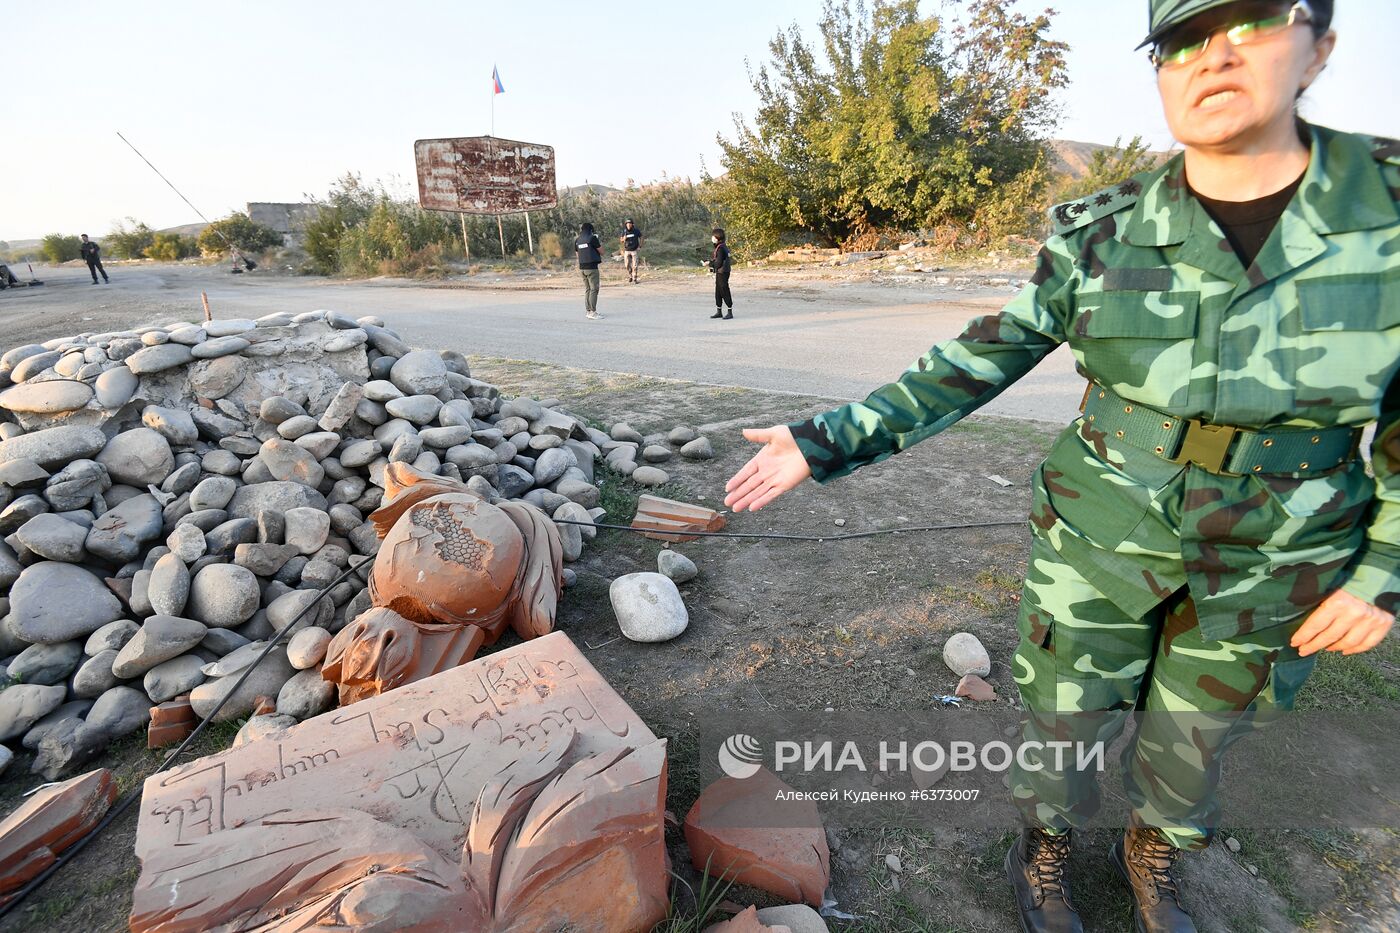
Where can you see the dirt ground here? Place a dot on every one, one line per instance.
(852, 626)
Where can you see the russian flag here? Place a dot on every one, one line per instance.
(499, 88)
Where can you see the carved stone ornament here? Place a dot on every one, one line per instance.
(517, 792)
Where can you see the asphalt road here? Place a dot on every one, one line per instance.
(793, 332)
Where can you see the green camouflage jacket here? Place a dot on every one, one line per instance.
(1155, 305)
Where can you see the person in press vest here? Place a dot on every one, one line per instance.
(631, 240)
(590, 256)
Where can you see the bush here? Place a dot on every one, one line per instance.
(59, 248)
(129, 243)
(240, 230)
(169, 247)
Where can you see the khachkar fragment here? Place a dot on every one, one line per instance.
(452, 573)
(517, 792)
(44, 826)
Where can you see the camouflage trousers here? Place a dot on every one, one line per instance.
(1084, 668)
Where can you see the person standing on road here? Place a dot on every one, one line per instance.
(631, 240)
(720, 265)
(91, 254)
(1207, 525)
(590, 256)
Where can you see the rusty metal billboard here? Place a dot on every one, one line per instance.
(484, 175)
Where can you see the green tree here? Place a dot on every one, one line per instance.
(59, 248)
(901, 122)
(347, 205)
(169, 247)
(240, 230)
(1110, 166)
(129, 242)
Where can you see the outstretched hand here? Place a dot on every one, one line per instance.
(775, 469)
(1343, 623)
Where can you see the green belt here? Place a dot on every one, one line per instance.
(1219, 448)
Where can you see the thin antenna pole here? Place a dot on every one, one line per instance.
(227, 241)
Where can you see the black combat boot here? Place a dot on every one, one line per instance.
(1145, 861)
(1037, 866)
(717, 315)
(729, 314)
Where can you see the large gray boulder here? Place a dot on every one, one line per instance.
(160, 639)
(139, 457)
(649, 608)
(121, 533)
(267, 679)
(22, 705)
(53, 602)
(248, 501)
(419, 372)
(223, 596)
(54, 445)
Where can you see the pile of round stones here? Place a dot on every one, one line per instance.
(172, 495)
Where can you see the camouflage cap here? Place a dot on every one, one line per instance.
(1166, 15)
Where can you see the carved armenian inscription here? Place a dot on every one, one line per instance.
(415, 757)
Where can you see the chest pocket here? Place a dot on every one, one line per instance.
(1349, 338)
(1129, 339)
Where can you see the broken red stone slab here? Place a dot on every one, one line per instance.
(44, 826)
(739, 830)
(171, 722)
(975, 688)
(381, 650)
(660, 516)
(517, 792)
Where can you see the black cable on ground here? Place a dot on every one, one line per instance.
(844, 536)
(121, 806)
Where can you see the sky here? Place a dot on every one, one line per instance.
(272, 101)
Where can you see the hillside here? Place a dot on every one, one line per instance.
(1073, 158)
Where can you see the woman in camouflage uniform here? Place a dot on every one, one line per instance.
(1207, 525)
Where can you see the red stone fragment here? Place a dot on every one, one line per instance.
(44, 826)
(171, 722)
(746, 921)
(976, 688)
(669, 520)
(738, 830)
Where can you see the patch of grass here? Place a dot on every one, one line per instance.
(703, 904)
(51, 909)
(1368, 679)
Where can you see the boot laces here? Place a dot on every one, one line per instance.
(1156, 857)
(1048, 858)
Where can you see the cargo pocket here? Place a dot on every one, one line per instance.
(1286, 678)
(1348, 340)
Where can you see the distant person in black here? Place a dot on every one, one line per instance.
(720, 265)
(90, 252)
(590, 256)
(631, 240)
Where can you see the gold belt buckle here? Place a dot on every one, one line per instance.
(1205, 445)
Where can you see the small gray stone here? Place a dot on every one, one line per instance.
(120, 711)
(94, 677)
(307, 647)
(446, 437)
(419, 372)
(228, 327)
(222, 463)
(306, 529)
(319, 444)
(139, 457)
(53, 396)
(22, 705)
(70, 744)
(276, 409)
(169, 586)
(46, 664)
(174, 425)
(305, 694)
(420, 409)
(286, 461)
(112, 636)
(552, 463)
(646, 475)
(964, 654)
(222, 346)
(281, 611)
(622, 431)
(73, 712)
(34, 365)
(121, 533)
(648, 606)
(342, 407)
(266, 679)
(160, 639)
(74, 486)
(53, 602)
(115, 387)
(216, 378)
(222, 641)
(361, 454)
(678, 567)
(225, 430)
(656, 454)
(681, 435)
(585, 494)
(381, 390)
(53, 538)
(264, 560)
(224, 596)
(699, 449)
(513, 481)
(54, 445)
(296, 427)
(22, 510)
(185, 477)
(213, 492)
(169, 679)
(158, 359)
